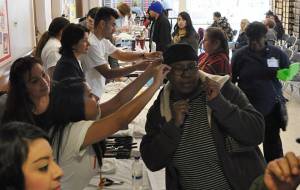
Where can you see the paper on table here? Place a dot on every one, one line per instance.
(109, 166)
(157, 179)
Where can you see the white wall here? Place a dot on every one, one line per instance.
(21, 30)
(43, 15)
(88, 4)
(57, 8)
(21, 26)
(95, 3)
(182, 5)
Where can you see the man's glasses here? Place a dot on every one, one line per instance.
(190, 68)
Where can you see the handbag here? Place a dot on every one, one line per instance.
(282, 113)
(281, 110)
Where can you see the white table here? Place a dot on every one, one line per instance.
(151, 180)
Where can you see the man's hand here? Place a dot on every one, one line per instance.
(179, 110)
(159, 74)
(142, 65)
(212, 88)
(283, 173)
(147, 64)
(153, 55)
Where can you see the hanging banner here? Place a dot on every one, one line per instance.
(5, 53)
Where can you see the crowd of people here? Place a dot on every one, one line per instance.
(211, 113)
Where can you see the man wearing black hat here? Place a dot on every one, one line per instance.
(202, 129)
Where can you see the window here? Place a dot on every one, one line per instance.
(69, 9)
(234, 10)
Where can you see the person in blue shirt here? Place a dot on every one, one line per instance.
(137, 10)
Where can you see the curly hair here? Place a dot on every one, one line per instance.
(256, 30)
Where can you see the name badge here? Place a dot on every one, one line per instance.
(272, 62)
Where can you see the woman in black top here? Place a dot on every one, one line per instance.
(74, 43)
(242, 39)
(28, 95)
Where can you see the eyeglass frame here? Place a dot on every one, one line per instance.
(189, 68)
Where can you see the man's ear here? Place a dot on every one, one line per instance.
(101, 24)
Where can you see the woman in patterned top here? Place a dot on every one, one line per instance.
(215, 60)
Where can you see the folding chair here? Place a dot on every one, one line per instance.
(290, 43)
(289, 52)
(295, 57)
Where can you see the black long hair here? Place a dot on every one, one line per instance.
(71, 35)
(55, 27)
(66, 106)
(14, 147)
(19, 105)
(189, 25)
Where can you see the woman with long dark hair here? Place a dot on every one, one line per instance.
(74, 43)
(184, 31)
(215, 60)
(28, 94)
(49, 44)
(76, 127)
(26, 161)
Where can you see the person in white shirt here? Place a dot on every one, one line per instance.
(49, 44)
(95, 62)
(74, 109)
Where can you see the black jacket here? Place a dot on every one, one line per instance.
(258, 81)
(237, 128)
(161, 30)
(67, 66)
(242, 40)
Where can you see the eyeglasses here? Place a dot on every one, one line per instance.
(190, 68)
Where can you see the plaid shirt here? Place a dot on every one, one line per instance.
(217, 64)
